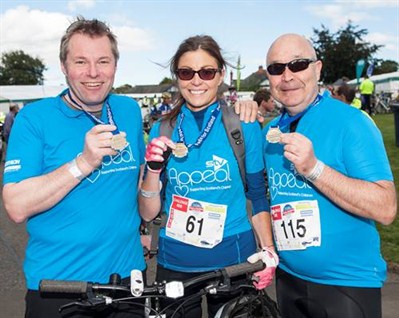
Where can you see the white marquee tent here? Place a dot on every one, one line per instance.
(387, 83)
(23, 94)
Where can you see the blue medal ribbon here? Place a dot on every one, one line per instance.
(204, 133)
(96, 120)
(284, 122)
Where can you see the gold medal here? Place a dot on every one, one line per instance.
(180, 151)
(118, 142)
(273, 135)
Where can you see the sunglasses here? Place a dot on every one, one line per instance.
(294, 66)
(206, 74)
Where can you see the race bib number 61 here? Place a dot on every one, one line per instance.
(196, 222)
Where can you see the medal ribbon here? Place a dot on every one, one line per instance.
(96, 120)
(204, 133)
(283, 122)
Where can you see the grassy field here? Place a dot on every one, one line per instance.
(390, 234)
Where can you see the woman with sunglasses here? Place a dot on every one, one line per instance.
(207, 224)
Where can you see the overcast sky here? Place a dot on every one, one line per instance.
(149, 32)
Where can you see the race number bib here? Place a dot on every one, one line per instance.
(196, 222)
(296, 225)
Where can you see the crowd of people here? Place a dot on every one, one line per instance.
(79, 174)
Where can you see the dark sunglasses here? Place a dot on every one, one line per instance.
(206, 74)
(294, 66)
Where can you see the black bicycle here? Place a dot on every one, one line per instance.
(249, 302)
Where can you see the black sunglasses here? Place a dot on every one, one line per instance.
(294, 66)
(206, 74)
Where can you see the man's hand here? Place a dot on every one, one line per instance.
(264, 277)
(299, 150)
(97, 146)
(248, 111)
(158, 152)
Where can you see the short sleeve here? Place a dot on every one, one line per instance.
(25, 149)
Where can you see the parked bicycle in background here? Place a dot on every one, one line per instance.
(380, 103)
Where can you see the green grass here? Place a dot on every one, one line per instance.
(390, 234)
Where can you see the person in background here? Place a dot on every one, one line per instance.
(8, 123)
(203, 176)
(366, 89)
(340, 185)
(265, 101)
(72, 173)
(166, 105)
(232, 97)
(145, 101)
(356, 102)
(155, 113)
(346, 94)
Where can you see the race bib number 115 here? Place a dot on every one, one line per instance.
(296, 225)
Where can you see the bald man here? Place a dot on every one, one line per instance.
(329, 180)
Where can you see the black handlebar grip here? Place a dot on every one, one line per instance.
(156, 165)
(63, 287)
(244, 268)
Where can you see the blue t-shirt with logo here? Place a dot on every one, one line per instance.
(94, 230)
(210, 173)
(349, 142)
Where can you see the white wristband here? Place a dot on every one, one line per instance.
(149, 194)
(316, 171)
(75, 171)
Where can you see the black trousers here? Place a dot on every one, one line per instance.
(366, 103)
(47, 306)
(298, 298)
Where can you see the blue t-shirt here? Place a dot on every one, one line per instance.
(349, 142)
(94, 231)
(164, 108)
(210, 173)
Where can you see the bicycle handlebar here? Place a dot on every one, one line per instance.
(243, 268)
(229, 271)
(81, 287)
(92, 295)
(63, 287)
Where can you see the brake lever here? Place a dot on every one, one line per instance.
(215, 287)
(93, 302)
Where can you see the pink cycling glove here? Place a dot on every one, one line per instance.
(264, 277)
(158, 152)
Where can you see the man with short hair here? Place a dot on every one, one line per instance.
(330, 181)
(72, 173)
(265, 102)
